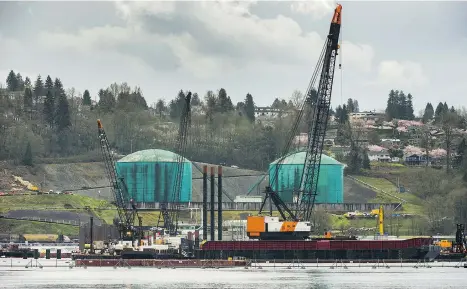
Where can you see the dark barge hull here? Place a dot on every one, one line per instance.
(416, 248)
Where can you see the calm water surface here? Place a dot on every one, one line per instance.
(150, 278)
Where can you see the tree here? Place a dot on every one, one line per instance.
(391, 107)
(224, 102)
(276, 103)
(409, 108)
(27, 98)
(62, 115)
(342, 115)
(49, 84)
(297, 99)
(38, 89)
(107, 100)
(352, 105)
(20, 82)
(195, 101)
(366, 160)
(12, 81)
(27, 82)
(249, 107)
(426, 141)
(429, 113)
(160, 107)
(27, 158)
(176, 106)
(449, 121)
(86, 98)
(49, 108)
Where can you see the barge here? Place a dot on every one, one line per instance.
(416, 248)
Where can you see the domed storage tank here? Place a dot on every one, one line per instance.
(330, 182)
(150, 176)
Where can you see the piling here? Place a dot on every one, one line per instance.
(91, 225)
(219, 203)
(213, 224)
(205, 202)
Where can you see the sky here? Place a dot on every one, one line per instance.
(266, 48)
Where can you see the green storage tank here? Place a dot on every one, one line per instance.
(330, 182)
(150, 176)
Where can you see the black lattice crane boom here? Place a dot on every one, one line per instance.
(318, 123)
(170, 209)
(126, 208)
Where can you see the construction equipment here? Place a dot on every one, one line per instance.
(126, 208)
(295, 225)
(170, 209)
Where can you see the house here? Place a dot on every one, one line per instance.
(366, 115)
(377, 153)
(390, 142)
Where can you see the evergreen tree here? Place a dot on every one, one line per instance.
(160, 107)
(439, 112)
(49, 85)
(38, 89)
(429, 113)
(224, 102)
(12, 81)
(176, 106)
(342, 115)
(409, 108)
(27, 99)
(401, 111)
(27, 82)
(49, 108)
(62, 115)
(20, 82)
(195, 101)
(58, 88)
(249, 107)
(27, 158)
(276, 103)
(86, 98)
(107, 100)
(366, 161)
(391, 107)
(445, 107)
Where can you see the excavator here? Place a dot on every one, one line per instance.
(295, 224)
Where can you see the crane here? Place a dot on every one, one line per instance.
(126, 208)
(295, 223)
(170, 209)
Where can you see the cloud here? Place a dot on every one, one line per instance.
(403, 74)
(317, 8)
(205, 39)
(229, 33)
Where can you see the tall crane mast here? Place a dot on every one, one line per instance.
(170, 209)
(126, 207)
(295, 225)
(320, 115)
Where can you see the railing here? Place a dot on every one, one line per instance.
(234, 206)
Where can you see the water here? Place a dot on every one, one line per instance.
(239, 278)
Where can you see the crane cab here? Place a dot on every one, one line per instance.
(271, 228)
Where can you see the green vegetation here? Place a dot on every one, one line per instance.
(37, 202)
(30, 227)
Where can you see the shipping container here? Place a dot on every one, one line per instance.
(290, 170)
(150, 176)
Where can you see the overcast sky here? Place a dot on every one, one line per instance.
(268, 49)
